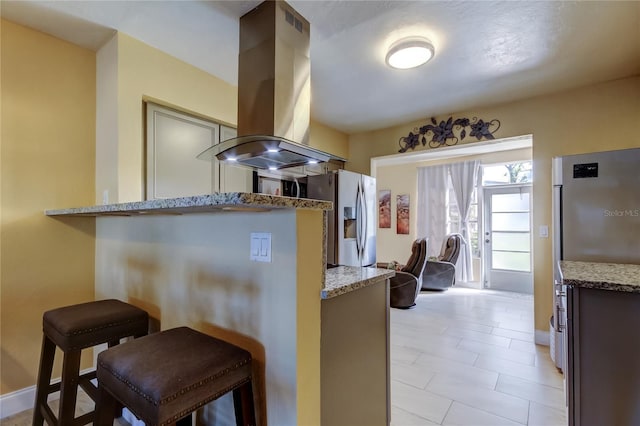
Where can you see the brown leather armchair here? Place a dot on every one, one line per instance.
(441, 274)
(406, 284)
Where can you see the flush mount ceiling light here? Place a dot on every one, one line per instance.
(409, 52)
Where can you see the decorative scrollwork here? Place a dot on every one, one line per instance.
(448, 132)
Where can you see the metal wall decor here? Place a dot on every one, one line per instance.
(448, 132)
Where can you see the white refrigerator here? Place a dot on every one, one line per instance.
(351, 233)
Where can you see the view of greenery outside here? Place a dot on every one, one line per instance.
(505, 174)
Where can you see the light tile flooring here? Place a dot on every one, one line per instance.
(464, 357)
(467, 357)
(84, 404)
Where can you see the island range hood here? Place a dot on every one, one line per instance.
(274, 93)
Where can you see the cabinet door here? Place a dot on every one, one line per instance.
(174, 139)
(234, 178)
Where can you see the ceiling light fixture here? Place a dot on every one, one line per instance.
(409, 52)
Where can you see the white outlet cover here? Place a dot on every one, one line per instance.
(543, 231)
(260, 247)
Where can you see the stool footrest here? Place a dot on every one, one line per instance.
(85, 419)
(48, 415)
(86, 384)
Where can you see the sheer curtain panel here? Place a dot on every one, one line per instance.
(463, 179)
(432, 206)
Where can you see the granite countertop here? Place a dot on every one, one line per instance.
(228, 201)
(603, 276)
(345, 279)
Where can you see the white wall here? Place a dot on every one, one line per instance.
(194, 270)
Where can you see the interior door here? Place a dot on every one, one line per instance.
(234, 178)
(174, 139)
(507, 238)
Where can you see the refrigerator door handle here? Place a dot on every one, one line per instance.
(365, 211)
(358, 220)
(297, 188)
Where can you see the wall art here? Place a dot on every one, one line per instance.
(384, 208)
(402, 214)
(447, 133)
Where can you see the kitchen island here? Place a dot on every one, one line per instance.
(186, 261)
(603, 363)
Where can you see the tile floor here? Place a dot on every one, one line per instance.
(84, 404)
(464, 357)
(467, 357)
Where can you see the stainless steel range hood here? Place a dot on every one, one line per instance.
(274, 92)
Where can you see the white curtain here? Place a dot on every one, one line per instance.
(432, 206)
(463, 179)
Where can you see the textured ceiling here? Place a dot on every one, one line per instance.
(487, 52)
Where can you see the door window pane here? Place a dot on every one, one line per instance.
(510, 221)
(505, 174)
(511, 241)
(510, 202)
(511, 260)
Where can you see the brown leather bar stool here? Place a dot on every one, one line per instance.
(72, 329)
(164, 377)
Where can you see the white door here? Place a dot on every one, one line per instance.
(507, 239)
(174, 139)
(234, 178)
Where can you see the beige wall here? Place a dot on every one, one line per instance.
(403, 179)
(594, 118)
(328, 139)
(48, 158)
(141, 72)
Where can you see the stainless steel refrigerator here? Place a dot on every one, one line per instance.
(351, 233)
(596, 218)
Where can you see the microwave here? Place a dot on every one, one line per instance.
(280, 186)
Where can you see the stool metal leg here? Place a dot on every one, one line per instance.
(243, 404)
(44, 379)
(69, 387)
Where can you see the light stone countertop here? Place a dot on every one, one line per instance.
(226, 201)
(344, 279)
(603, 276)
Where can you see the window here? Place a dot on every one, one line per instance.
(507, 174)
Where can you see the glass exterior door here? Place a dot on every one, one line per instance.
(507, 239)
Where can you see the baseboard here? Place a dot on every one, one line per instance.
(542, 337)
(15, 402)
(18, 401)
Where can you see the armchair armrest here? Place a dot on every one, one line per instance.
(438, 275)
(402, 278)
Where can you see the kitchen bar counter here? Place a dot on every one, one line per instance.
(228, 201)
(602, 276)
(340, 280)
(187, 264)
(345, 279)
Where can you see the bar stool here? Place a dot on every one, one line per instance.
(72, 329)
(164, 377)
